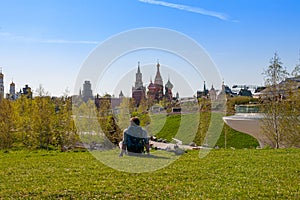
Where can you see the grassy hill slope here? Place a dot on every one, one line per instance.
(223, 174)
(185, 128)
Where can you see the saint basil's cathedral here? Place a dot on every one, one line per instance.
(155, 89)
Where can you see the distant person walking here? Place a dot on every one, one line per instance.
(135, 138)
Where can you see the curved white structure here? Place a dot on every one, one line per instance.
(249, 123)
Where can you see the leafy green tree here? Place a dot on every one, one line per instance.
(113, 132)
(164, 102)
(124, 114)
(108, 123)
(7, 124)
(64, 130)
(273, 106)
(25, 108)
(275, 73)
(204, 120)
(296, 71)
(143, 113)
(103, 112)
(290, 120)
(43, 120)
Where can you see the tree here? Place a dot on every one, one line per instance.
(41, 92)
(204, 120)
(296, 71)
(124, 114)
(7, 124)
(64, 131)
(25, 107)
(143, 113)
(43, 120)
(290, 122)
(273, 106)
(107, 122)
(113, 132)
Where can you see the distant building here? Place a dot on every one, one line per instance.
(204, 93)
(121, 95)
(156, 89)
(177, 95)
(226, 90)
(283, 90)
(168, 90)
(151, 91)
(212, 93)
(27, 92)
(12, 92)
(138, 91)
(245, 92)
(112, 102)
(87, 92)
(12, 89)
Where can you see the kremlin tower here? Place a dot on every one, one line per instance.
(138, 91)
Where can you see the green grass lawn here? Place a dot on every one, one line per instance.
(185, 128)
(223, 174)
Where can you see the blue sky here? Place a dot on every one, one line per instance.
(46, 42)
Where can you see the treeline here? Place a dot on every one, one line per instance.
(60, 123)
(42, 122)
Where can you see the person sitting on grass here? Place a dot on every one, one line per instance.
(135, 139)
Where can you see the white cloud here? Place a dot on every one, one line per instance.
(197, 10)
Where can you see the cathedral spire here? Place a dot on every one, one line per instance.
(138, 71)
(158, 79)
(121, 95)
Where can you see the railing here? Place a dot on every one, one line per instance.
(247, 109)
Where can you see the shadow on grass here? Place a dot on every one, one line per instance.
(135, 163)
(141, 155)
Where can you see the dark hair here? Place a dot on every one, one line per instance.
(135, 120)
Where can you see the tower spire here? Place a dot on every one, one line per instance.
(139, 71)
(138, 78)
(204, 89)
(158, 79)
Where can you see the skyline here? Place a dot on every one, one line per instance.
(46, 42)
